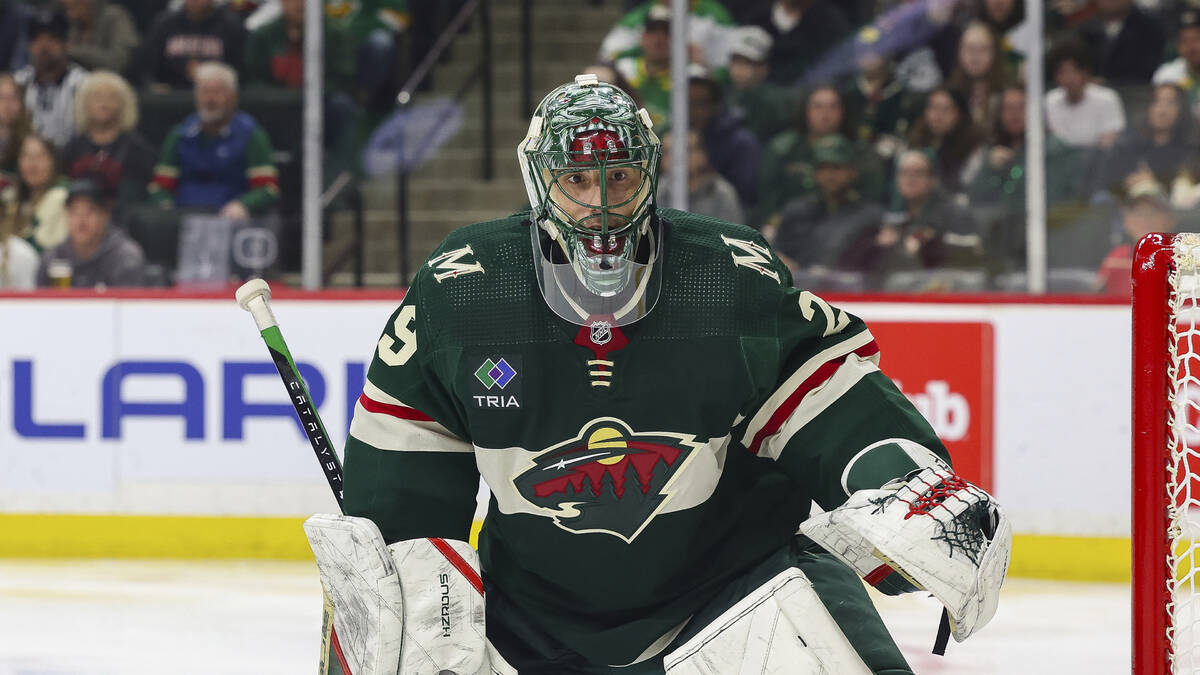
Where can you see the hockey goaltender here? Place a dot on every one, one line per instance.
(655, 408)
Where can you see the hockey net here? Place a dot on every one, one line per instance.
(1166, 454)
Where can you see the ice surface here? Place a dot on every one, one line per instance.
(141, 617)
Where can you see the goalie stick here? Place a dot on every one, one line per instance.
(254, 296)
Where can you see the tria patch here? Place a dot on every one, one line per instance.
(496, 382)
(495, 373)
(608, 479)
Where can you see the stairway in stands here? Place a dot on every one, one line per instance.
(448, 191)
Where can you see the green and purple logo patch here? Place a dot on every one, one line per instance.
(495, 373)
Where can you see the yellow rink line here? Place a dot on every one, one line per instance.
(126, 536)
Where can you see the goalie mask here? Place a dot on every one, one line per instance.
(590, 165)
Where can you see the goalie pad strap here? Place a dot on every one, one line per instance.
(464, 568)
(943, 636)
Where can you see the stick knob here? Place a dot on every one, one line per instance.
(254, 296)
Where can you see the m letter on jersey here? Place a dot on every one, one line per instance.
(607, 479)
(448, 265)
(755, 256)
(406, 336)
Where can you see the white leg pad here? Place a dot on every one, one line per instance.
(360, 577)
(781, 628)
(444, 628)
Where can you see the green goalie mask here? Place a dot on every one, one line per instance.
(590, 165)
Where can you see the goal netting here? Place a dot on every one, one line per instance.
(1166, 454)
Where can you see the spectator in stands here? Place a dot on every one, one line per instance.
(40, 194)
(708, 193)
(946, 129)
(766, 107)
(50, 80)
(13, 44)
(98, 254)
(930, 231)
(1147, 210)
(180, 40)
(981, 72)
(1127, 42)
(1005, 18)
(1000, 178)
(377, 28)
(275, 52)
(819, 230)
(1162, 149)
(732, 150)
(1184, 72)
(907, 35)
(109, 150)
(15, 123)
(218, 158)
(878, 99)
(788, 171)
(803, 31)
(101, 35)
(650, 72)
(275, 57)
(709, 23)
(18, 258)
(1078, 111)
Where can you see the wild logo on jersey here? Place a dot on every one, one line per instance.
(608, 479)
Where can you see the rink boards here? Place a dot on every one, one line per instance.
(148, 425)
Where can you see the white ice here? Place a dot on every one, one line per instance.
(143, 617)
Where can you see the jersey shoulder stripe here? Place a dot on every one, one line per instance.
(788, 396)
(385, 423)
(397, 411)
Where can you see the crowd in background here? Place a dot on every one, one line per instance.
(86, 174)
(878, 144)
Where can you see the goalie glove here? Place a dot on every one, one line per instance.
(942, 533)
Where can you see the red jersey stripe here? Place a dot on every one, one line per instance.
(793, 400)
(461, 565)
(399, 411)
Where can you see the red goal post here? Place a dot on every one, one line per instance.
(1166, 454)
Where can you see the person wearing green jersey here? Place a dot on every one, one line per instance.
(654, 408)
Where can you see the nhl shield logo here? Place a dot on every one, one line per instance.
(608, 479)
(601, 332)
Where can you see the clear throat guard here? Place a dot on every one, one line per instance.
(583, 287)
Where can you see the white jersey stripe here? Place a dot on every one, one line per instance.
(846, 376)
(387, 432)
(375, 393)
(798, 378)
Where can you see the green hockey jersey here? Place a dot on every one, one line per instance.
(634, 471)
